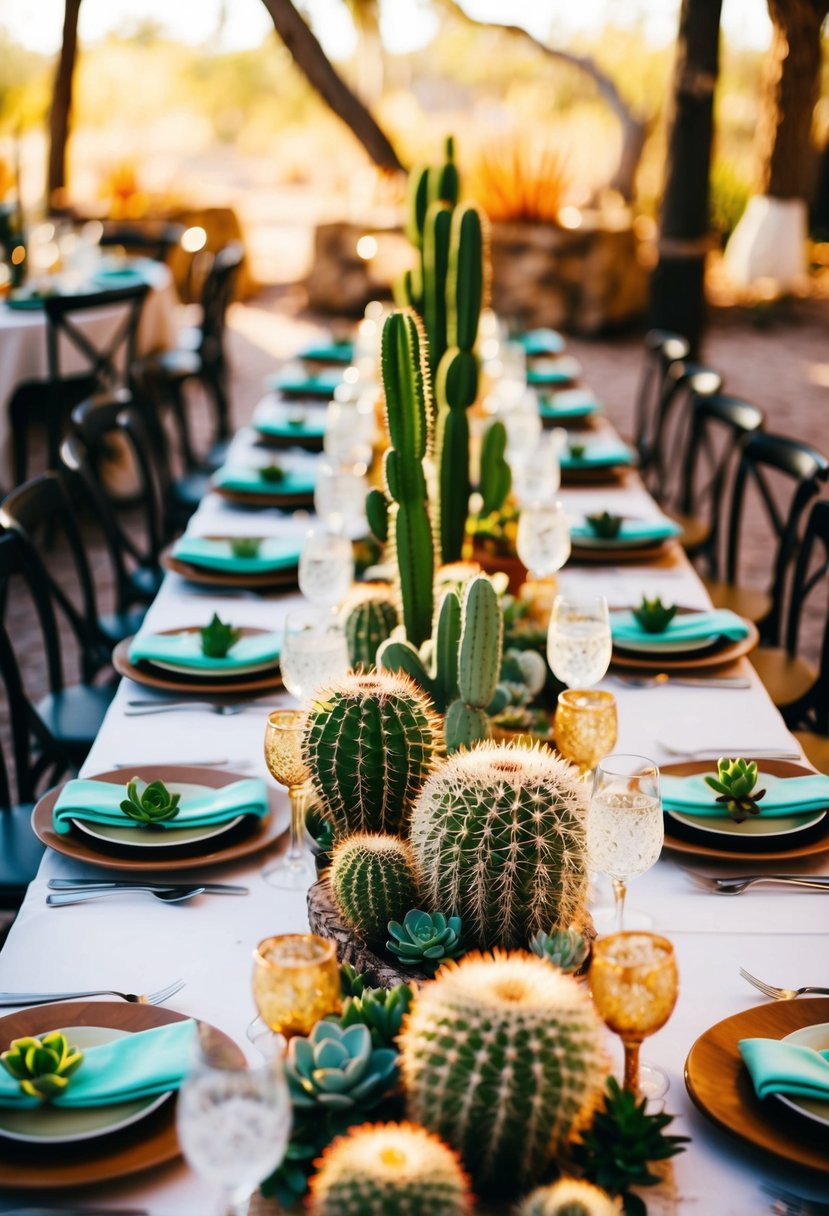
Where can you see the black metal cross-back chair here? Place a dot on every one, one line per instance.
(662, 350)
(685, 382)
(763, 459)
(718, 426)
(20, 849)
(808, 713)
(153, 239)
(105, 366)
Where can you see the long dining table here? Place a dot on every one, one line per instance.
(136, 944)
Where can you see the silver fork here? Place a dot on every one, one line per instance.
(779, 994)
(43, 998)
(662, 677)
(207, 706)
(735, 886)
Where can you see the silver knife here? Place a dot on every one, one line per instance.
(102, 884)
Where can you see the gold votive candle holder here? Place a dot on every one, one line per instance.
(585, 726)
(296, 981)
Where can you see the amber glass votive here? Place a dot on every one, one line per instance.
(585, 726)
(296, 981)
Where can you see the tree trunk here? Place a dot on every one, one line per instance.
(323, 76)
(61, 111)
(791, 85)
(678, 284)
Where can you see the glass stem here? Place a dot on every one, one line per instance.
(296, 848)
(631, 1082)
(619, 893)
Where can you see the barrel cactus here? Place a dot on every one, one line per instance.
(501, 1055)
(385, 1168)
(368, 744)
(499, 837)
(569, 1197)
(373, 881)
(338, 1070)
(371, 617)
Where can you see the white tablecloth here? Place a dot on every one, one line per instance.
(23, 354)
(136, 944)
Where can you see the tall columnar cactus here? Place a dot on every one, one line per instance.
(369, 742)
(437, 236)
(370, 619)
(501, 1054)
(373, 881)
(427, 184)
(569, 1197)
(499, 837)
(385, 1168)
(408, 414)
(495, 475)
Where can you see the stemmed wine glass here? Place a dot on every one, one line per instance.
(579, 645)
(233, 1126)
(314, 651)
(634, 982)
(543, 540)
(326, 567)
(624, 822)
(283, 756)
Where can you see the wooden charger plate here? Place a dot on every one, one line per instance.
(729, 652)
(656, 551)
(241, 842)
(285, 502)
(171, 681)
(226, 578)
(719, 1084)
(816, 843)
(267, 439)
(150, 1142)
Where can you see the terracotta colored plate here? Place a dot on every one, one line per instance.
(172, 681)
(610, 556)
(148, 1143)
(760, 848)
(266, 439)
(226, 578)
(606, 474)
(721, 1088)
(247, 839)
(285, 502)
(728, 652)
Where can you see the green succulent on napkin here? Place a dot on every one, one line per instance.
(43, 1067)
(272, 473)
(217, 638)
(653, 615)
(735, 782)
(567, 949)
(577, 450)
(423, 940)
(155, 804)
(297, 420)
(605, 525)
(245, 546)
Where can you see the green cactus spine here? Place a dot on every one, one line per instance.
(368, 743)
(380, 1169)
(500, 1056)
(371, 618)
(405, 382)
(373, 881)
(499, 837)
(496, 475)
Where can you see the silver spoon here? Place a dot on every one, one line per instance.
(82, 897)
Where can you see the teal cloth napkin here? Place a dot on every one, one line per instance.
(184, 649)
(135, 1066)
(273, 554)
(550, 375)
(571, 403)
(328, 352)
(597, 456)
(123, 276)
(541, 342)
(251, 481)
(100, 802)
(776, 1067)
(631, 529)
(277, 422)
(692, 627)
(784, 795)
(24, 303)
(297, 385)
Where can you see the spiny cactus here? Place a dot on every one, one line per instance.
(369, 742)
(427, 185)
(380, 1169)
(495, 480)
(437, 230)
(566, 949)
(499, 837)
(377, 515)
(370, 619)
(408, 415)
(373, 881)
(501, 1055)
(569, 1197)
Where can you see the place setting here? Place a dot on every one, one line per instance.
(282, 422)
(235, 562)
(594, 458)
(565, 405)
(664, 637)
(295, 380)
(605, 537)
(284, 483)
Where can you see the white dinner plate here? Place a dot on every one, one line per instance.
(618, 542)
(52, 1125)
(165, 838)
(238, 669)
(755, 825)
(664, 646)
(815, 1109)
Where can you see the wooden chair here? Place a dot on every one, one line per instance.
(149, 239)
(662, 350)
(763, 459)
(105, 365)
(685, 383)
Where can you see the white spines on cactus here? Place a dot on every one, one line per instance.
(389, 1169)
(499, 837)
(373, 881)
(501, 1056)
(569, 1197)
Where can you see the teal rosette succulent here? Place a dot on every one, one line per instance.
(654, 616)
(567, 949)
(605, 525)
(153, 805)
(339, 1070)
(380, 1009)
(217, 638)
(735, 782)
(42, 1067)
(424, 940)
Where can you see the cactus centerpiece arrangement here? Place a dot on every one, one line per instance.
(373, 881)
(653, 616)
(567, 949)
(369, 744)
(380, 1009)
(500, 1056)
(392, 1169)
(424, 940)
(371, 617)
(569, 1197)
(499, 836)
(42, 1067)
(734, 782)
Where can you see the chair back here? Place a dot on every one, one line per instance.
(108, 361)
(662, 349)
(811, 573)
(216, 294)
(684, 383)
(153, 240)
